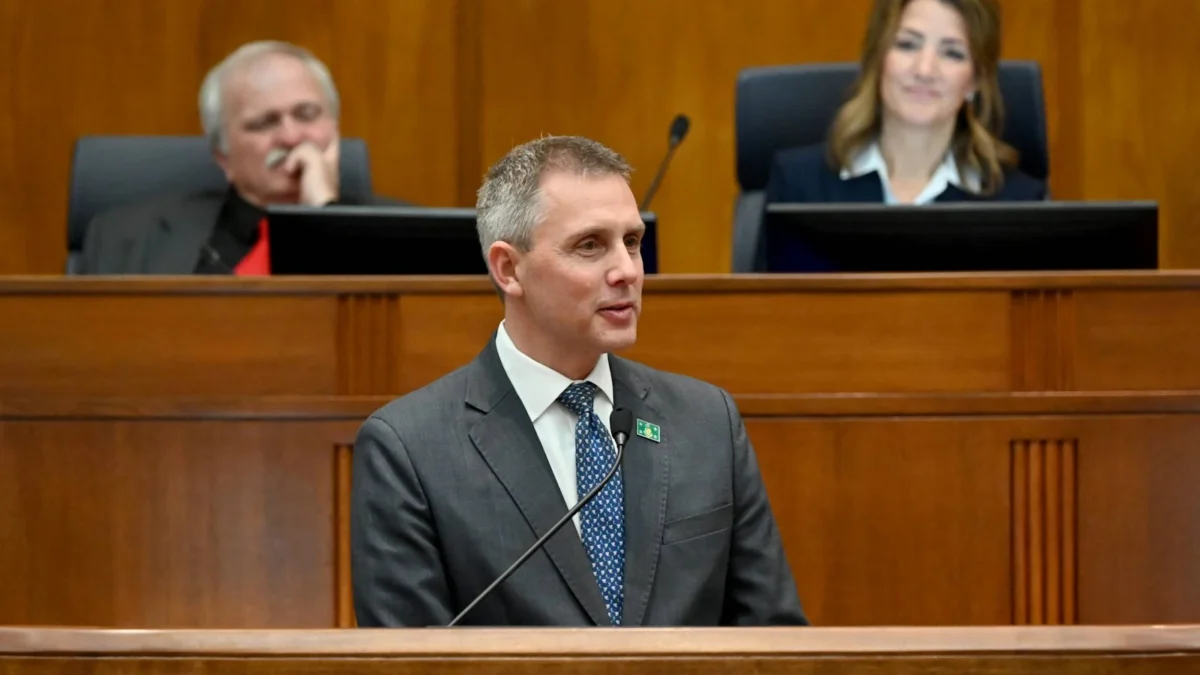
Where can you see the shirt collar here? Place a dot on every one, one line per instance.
(539, 386)
(240, 218)
(870, 160)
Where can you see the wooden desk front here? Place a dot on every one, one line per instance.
(949, 450)
(629, 651)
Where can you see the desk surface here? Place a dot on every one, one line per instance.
(816, 651)
(610, 643)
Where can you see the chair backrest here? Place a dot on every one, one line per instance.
(780, 107)
(112, 171)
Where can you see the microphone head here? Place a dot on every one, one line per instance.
(621, 423)
(679, 128)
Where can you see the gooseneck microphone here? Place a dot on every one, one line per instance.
(621, 423)
(679, 130)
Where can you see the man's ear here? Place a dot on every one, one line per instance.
(222, 161)
(504, 263)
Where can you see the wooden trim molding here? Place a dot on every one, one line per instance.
(368, 325)
(343, 592)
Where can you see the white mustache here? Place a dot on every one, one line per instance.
(275, 156)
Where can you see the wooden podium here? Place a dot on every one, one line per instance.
(810, 651)
(939, 450)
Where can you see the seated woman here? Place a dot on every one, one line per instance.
(924, 120)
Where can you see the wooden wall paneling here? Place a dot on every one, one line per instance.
(883, 489)
(386, 341)
(367, 334)
(1044, 531)
(1103, 517)
(1046, 519)
(831, 342)
(372, 339)
(1137, 340)
(1043, 331)
(1140, 134)
(469, 109)
(1048, 32)
(78, 68)
(619, 71)
(892, 522)
(952, 341)
(1139, 537)
(168, 523)
(167, 344)
(440, 333)
(442, 89)
(343, 483)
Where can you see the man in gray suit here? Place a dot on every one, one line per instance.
(270, 111)
(453, 482)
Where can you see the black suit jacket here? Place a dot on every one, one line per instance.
(451, 485)
(802, 175)
(162, 236)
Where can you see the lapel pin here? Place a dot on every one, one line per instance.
(649, 431)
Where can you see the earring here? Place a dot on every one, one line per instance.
(971, 97)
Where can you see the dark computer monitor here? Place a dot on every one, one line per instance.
(388, 240)
(961, 237)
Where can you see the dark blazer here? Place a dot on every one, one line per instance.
(161, 236)
(451, 485)
(801, 175)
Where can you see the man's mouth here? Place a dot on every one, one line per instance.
(618, 310)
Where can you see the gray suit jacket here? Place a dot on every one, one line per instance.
(451, 485)
(162, 236)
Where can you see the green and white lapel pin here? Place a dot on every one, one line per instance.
(649, 431)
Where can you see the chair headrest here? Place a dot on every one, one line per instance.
(779, 107)
(112, 171)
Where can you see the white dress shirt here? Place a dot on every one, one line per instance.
(870, 160)
(539, 387)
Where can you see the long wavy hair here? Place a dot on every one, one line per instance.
(976, 142)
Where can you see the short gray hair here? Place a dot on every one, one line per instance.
(509, 205)
(212, 91)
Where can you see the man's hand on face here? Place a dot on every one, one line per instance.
(318, 172)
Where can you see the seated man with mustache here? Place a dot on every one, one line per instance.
(270, 111)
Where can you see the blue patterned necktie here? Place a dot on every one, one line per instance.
(602, 521)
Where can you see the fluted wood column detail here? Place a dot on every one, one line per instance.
(343, 596)
(1043, 338)
(1045, 547)
(368, 326)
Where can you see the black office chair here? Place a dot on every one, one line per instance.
(779, 107)
(111, 171)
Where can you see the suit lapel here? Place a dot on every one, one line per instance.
(645, 470)
(867, 188)
(506, 439)
(955, 194)
(182, 234)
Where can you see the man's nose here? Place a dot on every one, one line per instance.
(627, 268)
(290, 133)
